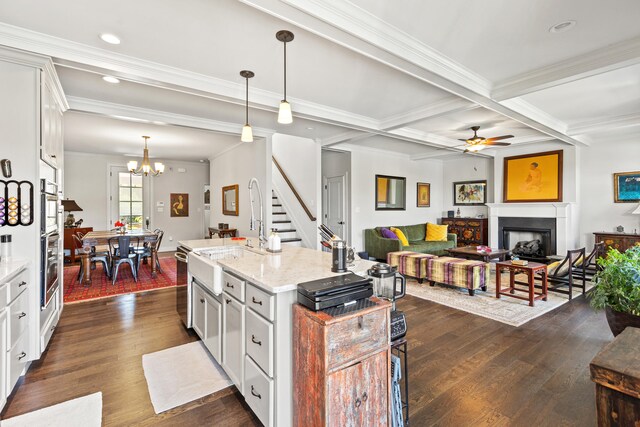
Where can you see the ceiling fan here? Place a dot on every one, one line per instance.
(477, 143)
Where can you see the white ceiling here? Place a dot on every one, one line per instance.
(407, 77)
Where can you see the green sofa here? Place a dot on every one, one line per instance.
(378, 246)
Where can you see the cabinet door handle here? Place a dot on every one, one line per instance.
(360, 322)
(21, 315)
(229, 285)
(253, 340)
(358, 402)
(22, 355)
(255, 301)
(53, 328)
(202, 300)
(255, 394)
(22, 283)
(228, 300)
(365, 397)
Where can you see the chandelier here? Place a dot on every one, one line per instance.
(145, 168)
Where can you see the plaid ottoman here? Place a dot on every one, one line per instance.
(460, 272)
(412, 264)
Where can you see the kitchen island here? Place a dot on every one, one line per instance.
(247, 328)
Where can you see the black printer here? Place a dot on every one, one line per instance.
(334, 291)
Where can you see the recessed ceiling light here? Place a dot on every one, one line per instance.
(309, 128)
(562, 27)
(110, 79)
(110, 38)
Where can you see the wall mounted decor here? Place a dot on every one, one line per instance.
(391, 193)
(423, 196)
(626, 187)
(179, 204)
(469, 193)
(16, 203)
(533, 177)
(230, 200)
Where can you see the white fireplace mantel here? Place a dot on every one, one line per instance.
(561, 211)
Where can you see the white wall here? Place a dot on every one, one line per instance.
(237, 166)
(467, 168)
(86, 181)
(365, 165)
(598, 210)
(300, 159)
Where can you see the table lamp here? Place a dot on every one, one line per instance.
(70, 206)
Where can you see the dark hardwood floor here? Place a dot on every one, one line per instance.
(465, 370)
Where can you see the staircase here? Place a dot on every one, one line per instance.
(282, 223)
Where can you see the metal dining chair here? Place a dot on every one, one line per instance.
(101, 257)
(151, 243)
(120, 247)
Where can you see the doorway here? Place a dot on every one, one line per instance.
(336, 192)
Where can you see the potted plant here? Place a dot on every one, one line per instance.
(122, 228)
(617, 289)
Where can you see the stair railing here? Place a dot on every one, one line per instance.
(293, 189)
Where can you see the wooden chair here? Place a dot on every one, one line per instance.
(94, 257)
(120, 247)
(567, 272)
(591, 261)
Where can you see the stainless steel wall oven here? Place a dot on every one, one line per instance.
(50, 248)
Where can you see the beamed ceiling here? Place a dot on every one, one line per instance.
(409, 77)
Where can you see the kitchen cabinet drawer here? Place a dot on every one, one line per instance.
(18, 317)
(47, 332)
(16, 362)
(4, 292)
(233, 286)
(259, 341)
(259, 392)
(260, 302)
(49, 311)
(356, 337)
(16, 286)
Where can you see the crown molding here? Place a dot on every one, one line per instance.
(604, 124)
(600, 61)
(444, 107)
(366, 26)
(127, 112)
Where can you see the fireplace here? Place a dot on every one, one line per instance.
(529, 238)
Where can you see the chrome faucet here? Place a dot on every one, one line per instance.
(252, 224)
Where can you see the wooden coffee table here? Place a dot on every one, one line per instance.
(530, 270)
(470, 252)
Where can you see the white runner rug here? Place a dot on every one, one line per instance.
(84, 411)
(512, 311)
(179, 375)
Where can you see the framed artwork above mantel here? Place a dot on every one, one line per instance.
(535, 177)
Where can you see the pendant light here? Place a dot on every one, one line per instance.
(247, 133)
(145, 168)
(284, 112)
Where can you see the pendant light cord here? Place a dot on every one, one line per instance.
(285, 71)
(247, 103)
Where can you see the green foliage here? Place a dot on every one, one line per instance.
(618, 283)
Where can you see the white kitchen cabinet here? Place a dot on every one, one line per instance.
(3, 357)
(233, 348)
(51, 143)
(199, 310)
(213, 326)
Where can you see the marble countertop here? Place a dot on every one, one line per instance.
(10, 267)
(282, 272)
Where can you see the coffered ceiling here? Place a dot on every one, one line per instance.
(409, 77)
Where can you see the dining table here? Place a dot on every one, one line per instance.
(101, 237)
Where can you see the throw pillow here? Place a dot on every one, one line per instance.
(436, 233)
(401, 236)
(385, 232)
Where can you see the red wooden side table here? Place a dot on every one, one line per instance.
(531, 269)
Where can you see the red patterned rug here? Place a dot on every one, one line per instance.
(101, 286)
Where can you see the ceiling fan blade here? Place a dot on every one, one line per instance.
(497, 138)
(497, 143)
(463, 140)
(466, 151)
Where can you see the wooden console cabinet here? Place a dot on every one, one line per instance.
(470, 231)
(619, 241)
(341, 367)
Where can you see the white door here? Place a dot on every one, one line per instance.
(335, 213)
(126, 198)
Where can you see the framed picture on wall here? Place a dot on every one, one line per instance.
(391, 193)
(470, 193)
(423, 195)
(179, 204)
(626, 187)
(533, 177)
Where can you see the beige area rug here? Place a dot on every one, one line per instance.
(85, 411)
(181, 374)
(512, 311)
